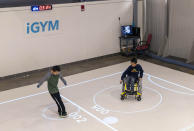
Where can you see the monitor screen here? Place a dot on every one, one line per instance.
(126, 30)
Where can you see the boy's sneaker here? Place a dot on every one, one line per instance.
(63, 115)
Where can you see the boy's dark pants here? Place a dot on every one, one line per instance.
(130, 80)
(59, 102)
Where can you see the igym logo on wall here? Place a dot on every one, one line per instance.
(45, 26)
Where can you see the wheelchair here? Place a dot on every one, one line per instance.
(126, 91)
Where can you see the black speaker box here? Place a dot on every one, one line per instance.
(136, 31)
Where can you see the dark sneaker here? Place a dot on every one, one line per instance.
(63, 115)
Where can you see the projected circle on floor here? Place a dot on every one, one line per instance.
(51, 113)
(109, 99)
(111, 120)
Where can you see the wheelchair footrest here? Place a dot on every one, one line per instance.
(131, 92)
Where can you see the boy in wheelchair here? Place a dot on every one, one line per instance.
(132, 77)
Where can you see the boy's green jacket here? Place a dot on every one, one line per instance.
(52, 81)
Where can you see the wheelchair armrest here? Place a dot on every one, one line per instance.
(140, 43)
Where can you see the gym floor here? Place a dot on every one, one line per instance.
(92, 100)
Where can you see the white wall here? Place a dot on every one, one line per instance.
(81, 35)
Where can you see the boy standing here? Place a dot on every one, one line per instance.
(52, 79)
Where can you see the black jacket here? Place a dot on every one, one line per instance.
(136, 72)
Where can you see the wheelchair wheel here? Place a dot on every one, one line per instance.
(122, 97)
(139, 98)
